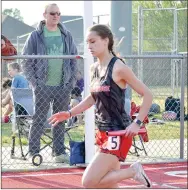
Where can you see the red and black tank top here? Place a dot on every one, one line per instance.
(110, 114)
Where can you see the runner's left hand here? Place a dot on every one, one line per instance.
(132, 130)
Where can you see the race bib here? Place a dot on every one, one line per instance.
(113, 143)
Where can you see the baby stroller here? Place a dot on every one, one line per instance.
(23, 103)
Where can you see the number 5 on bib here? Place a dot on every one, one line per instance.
(113, 143)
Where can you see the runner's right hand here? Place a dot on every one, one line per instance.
(58, 117)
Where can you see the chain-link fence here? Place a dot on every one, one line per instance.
(52, 93)
(182, 30)
(157, 30)
(163, 128)
(162, 30)
(166, 130)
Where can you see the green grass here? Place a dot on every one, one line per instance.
(169, 130)
(76, 134)
(158, 100)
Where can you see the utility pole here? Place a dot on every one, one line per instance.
(121, 25)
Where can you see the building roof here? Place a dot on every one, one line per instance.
(11, 27)
(75, 26)
(3, 17)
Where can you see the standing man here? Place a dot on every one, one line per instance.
(51, 79)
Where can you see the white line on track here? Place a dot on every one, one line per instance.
(45, 174)
(74, 173)
(169, 186)
(155, 184)
(131, 186)
(176, 183)
(168, 167)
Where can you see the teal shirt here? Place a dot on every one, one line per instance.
(54, 46)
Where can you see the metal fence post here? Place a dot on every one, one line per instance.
(174, 52)
(18, 47)
(140, 42)
(175, 38)
(183, 62)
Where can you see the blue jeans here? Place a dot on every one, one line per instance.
(43, 97)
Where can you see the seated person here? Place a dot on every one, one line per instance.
(6, 85)
(18, 81)
(76, 96)
(80, 81)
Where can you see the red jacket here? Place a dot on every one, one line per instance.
(9, 48)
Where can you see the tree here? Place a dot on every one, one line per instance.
(158, 25)
(13, 13)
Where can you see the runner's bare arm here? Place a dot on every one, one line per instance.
(123, 72)
(83, 105)
(64, 115)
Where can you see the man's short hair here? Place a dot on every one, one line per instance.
(46, 7)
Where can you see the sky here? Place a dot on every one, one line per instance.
(32, 11)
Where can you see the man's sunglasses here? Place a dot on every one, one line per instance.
(55, 13)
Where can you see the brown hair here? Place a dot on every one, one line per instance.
(104, 32)
(15, 65)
